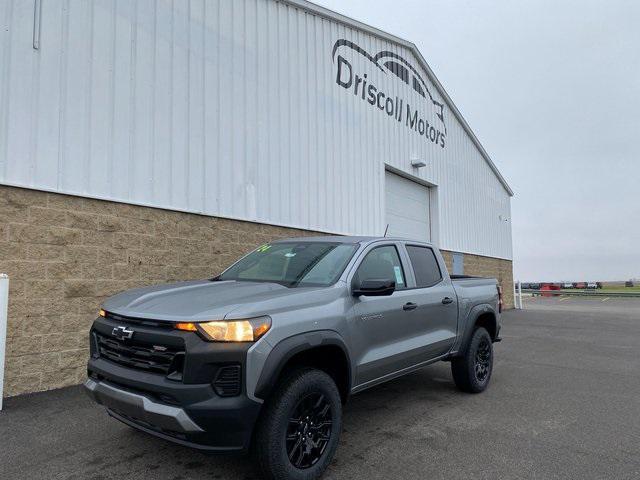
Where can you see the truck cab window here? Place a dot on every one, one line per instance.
(425, 266)
(382, 263)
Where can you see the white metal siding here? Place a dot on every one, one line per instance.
(407, 208)
(226, 108)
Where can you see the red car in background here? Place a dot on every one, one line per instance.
(549, 289)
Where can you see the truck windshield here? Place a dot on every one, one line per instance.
(293, 264)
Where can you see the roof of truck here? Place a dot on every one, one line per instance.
(344, 239)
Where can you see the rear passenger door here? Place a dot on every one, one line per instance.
(436, 316)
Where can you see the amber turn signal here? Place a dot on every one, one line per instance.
(187, 327)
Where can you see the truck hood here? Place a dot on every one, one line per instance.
(198, 300)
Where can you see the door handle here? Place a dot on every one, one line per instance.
(409, 306)
(447, 300)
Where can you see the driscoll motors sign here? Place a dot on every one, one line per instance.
(414, 116)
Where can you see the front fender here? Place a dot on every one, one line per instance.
(287, 348)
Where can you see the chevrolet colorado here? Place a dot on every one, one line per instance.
(265, 354)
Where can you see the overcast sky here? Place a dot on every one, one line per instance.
(552, 90)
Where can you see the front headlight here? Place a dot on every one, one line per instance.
(231, 330)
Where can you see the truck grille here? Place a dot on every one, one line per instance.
(129, 353)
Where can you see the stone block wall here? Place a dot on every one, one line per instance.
(65, 254)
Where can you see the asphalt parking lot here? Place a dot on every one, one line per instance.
(564, 404)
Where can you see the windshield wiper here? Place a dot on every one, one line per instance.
(254, 280)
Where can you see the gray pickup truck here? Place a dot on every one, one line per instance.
(263, 356)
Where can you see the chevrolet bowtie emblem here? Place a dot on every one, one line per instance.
(123, 333)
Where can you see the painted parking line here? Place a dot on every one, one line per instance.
(564, 298)
(605, 299)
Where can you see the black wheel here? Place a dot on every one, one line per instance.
(472, 370)
(299, 428)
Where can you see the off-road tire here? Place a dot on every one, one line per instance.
(468, 375)
(271, 447)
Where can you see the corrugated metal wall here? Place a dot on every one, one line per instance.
(227, 108)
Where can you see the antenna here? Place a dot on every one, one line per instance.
(386, 230)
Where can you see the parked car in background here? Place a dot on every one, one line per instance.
(599, 284)
(535, 286)
(592, 285)
(628, 283)
(549, 289)
(567, 285)
(582, 285)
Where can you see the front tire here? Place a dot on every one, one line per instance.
(299, 428)
(472, 371)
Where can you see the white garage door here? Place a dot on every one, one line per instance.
(407, 205)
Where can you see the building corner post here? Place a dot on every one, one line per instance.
(4, 303)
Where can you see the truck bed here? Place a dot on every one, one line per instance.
(472, 291)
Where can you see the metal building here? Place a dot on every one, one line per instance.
(273, 112)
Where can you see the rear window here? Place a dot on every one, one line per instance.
(425, 266)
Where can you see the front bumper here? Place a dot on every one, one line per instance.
(191, 415)
(144, 409)
(188, 408)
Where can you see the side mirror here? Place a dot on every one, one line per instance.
(375, 288)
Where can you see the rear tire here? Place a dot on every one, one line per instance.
(298, 431)
(472, 371)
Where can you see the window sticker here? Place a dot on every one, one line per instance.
(398, 273)
(263, 248)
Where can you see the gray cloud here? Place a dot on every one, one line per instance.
(552, 89)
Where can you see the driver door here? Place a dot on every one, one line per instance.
(378, 324)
